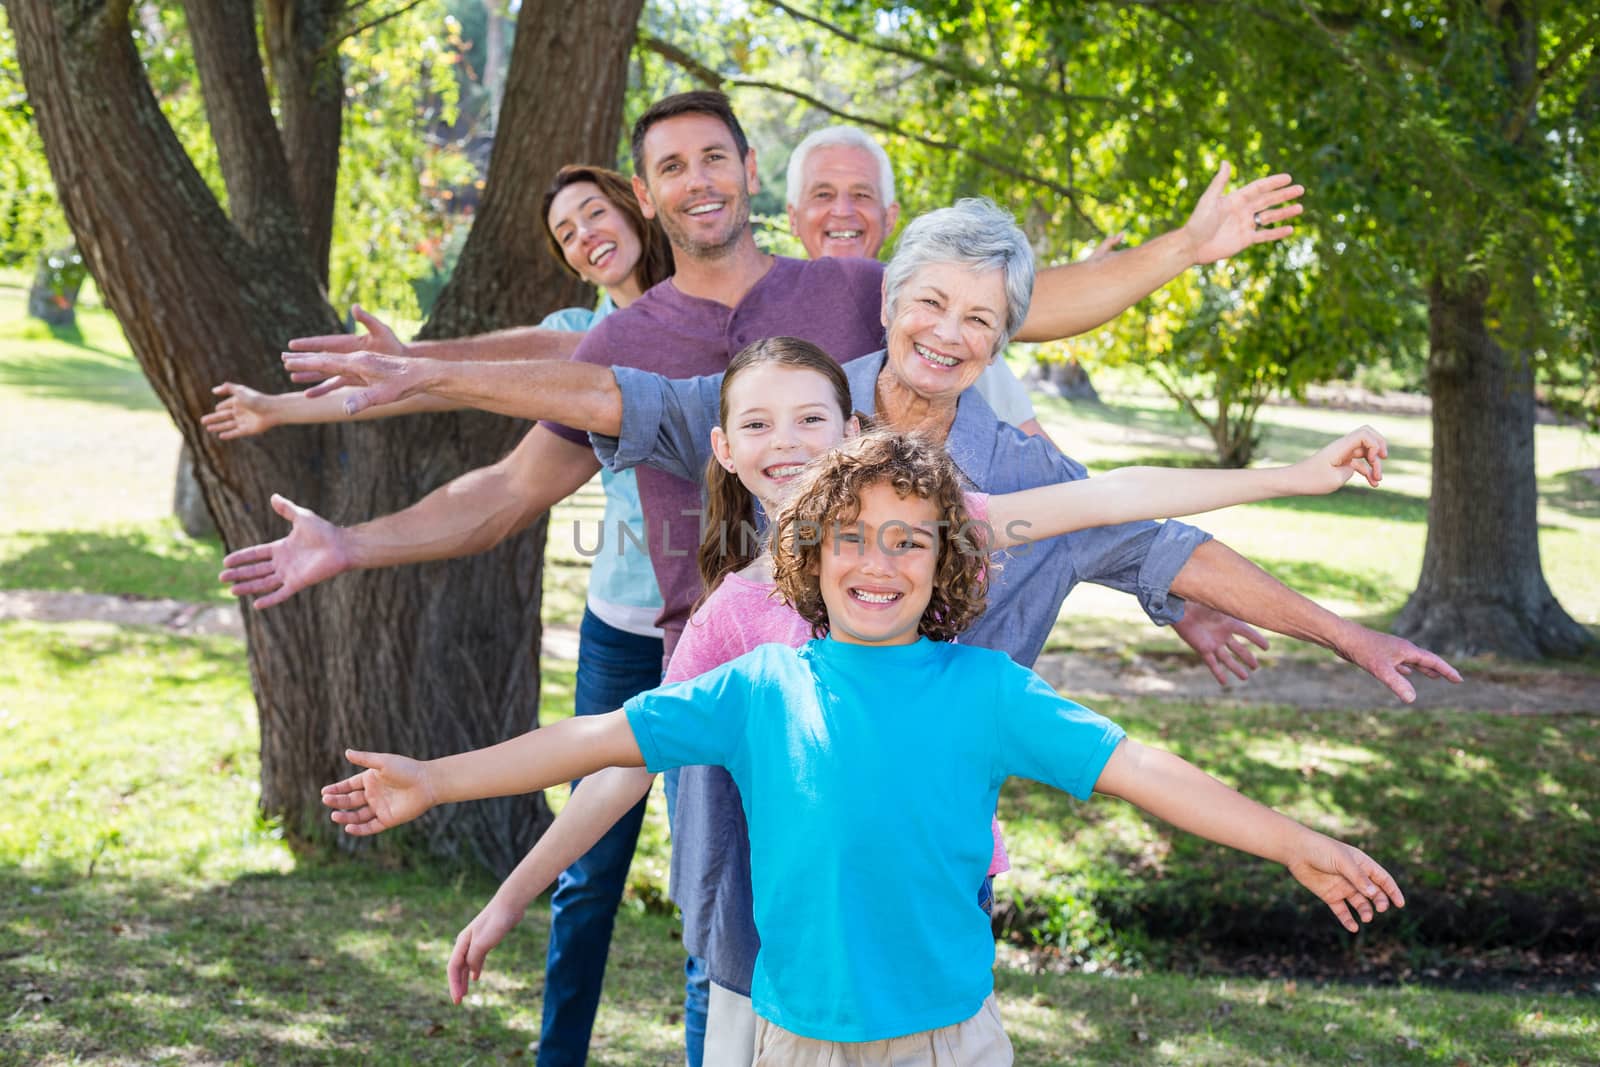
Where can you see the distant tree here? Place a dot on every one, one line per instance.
(427, 659)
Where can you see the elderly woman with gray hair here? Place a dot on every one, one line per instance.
(955, 292)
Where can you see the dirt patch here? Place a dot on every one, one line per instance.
(1319, 683)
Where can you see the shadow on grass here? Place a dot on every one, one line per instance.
(145, 562)
(317, 965)
(104, 378)
(1486, 822)
(1321, 581)
(1577, 492)
(1090, 1020)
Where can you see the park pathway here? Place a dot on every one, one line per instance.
(1310, 682)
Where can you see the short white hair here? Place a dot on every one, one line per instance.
(974, 233)
(849, 136)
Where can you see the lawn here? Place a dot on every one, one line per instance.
(148, 914)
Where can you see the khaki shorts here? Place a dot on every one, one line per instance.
(976, 1042)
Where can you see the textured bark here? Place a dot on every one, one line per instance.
(1482, 587)
(304, 61)
(425, 660)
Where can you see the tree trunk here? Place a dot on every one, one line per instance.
(1482, 587)
(424, 660)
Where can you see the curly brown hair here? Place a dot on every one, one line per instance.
(830, 498)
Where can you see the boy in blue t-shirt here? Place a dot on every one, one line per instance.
(870, 761)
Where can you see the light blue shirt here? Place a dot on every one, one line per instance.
(869, 775)
(667, 422)
(622, 583)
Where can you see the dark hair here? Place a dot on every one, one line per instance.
(831, 498)
(655, 259)
(699, 102)
(730, 542)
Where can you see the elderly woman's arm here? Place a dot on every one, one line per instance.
(1217, 576)
(1076, 297)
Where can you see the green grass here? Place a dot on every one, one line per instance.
(148, 915)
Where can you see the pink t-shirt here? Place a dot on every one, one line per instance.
(742, 614)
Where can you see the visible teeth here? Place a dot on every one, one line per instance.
(786, 471)
(844, 235)
(934, 357)
(875, 598)
(702, 209)
(602, 250)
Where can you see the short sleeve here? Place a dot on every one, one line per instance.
(1005, 393)
(666, 423)
(1044, 736)
(571, 320)
(696, 721)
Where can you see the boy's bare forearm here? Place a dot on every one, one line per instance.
(1176, 791)
(538, 759)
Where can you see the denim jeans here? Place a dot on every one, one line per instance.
(696, 975)
(613, 665)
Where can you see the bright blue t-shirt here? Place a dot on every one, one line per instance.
(869, 775)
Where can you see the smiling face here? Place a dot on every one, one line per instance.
(944, 328)
(779, 419)
(876, 574)
(595, 237)
(839, 208)
(696, 184)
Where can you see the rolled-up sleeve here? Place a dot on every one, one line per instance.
(1139, 558)
(666, 423)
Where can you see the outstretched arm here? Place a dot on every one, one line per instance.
(604, 798)
(581, 395)
(1132, 493)
(1217, 576)
(1168, 787)
(1076, 297)
(471, 514)
(521, 342)
(244, 412)
(394, 789)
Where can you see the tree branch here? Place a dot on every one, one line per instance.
(249, 149)
(333, 44)
(964, 71)
(677, 56)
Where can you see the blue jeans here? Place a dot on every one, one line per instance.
(696, 975)
(613, 665)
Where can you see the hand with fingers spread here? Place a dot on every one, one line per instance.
(392, 790)
(314, 551)
(378, 338)
(494, 922)
(1390, 659)
(1344, 878)
(378, 378)
(1224, 224)
(1219, 639)
(1361, 451)
(242, 412)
